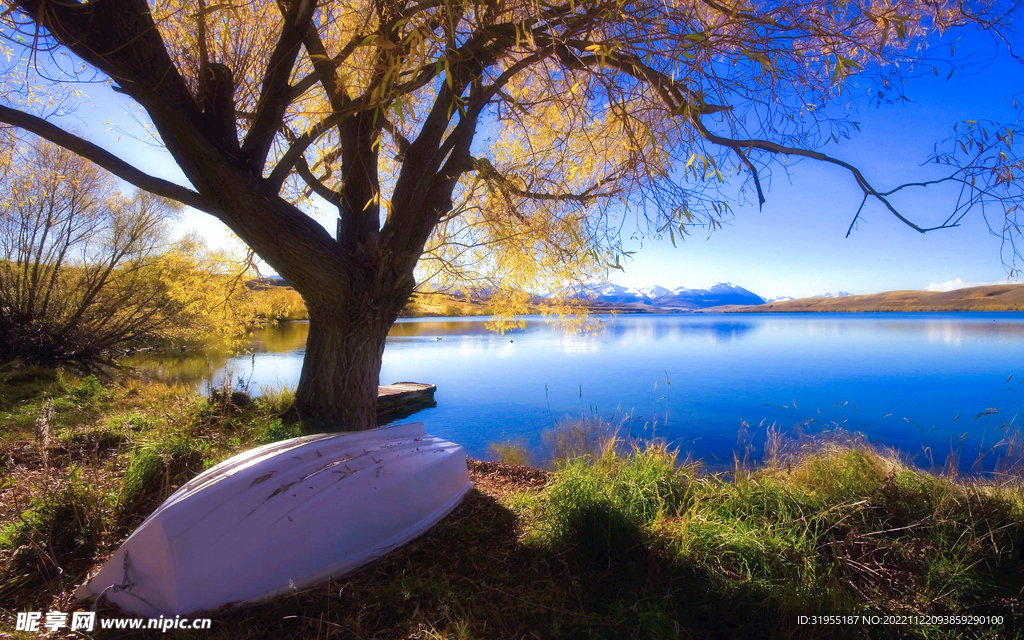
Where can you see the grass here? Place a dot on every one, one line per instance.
(619, 540)
(59, 526)
(512, 451)
(158, 466)
(83, 461)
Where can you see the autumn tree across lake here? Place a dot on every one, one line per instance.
(88, 273)
(485, 139)
(79, 272)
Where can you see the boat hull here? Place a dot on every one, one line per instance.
(282, 517)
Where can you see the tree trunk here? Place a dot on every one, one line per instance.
(341, 371)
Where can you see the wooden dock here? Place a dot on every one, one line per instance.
(402, 399)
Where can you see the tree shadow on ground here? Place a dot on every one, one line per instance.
(472, 576)
(20, 384)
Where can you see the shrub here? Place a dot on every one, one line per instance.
(452, 310)
(87, 273)
(274, 304)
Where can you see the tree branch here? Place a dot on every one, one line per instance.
(680, 101)
(104, 158)
(753, 172)
(489, 173)
(400, 140)
(318, 187)
(778, 149)
(298, 148)
(275, 95)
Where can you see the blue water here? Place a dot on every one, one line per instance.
(712, 383)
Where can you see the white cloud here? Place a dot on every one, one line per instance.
(950, 285)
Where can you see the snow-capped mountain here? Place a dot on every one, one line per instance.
(720, 294)
(654, 292)
(779, 299)
(606, 293)
(610, 293)
(841, 294)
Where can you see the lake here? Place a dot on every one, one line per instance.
(711, 384)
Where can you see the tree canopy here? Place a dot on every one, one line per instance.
(485, 139)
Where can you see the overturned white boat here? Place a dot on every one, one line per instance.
(284, 516)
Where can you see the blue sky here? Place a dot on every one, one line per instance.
(796, 244)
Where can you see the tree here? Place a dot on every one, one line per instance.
(488, 137)
(86, 273)
(70, 254)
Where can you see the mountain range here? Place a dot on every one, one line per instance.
(657, 297)
(841, 294)
(607, 295)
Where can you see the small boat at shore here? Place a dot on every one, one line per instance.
(281, 517)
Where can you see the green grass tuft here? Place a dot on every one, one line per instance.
(158, 467)
(275, 401)
(90, 388)
(276, 431)
(599, 511)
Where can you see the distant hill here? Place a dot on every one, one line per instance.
(267, 282)
(1000, 297)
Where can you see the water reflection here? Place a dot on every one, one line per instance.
(208, 367)
(190, 369)
(948, 328)
(578, 344)
(642, 330)
(899, 378)
(288, 336)
(417, 327)
(622, 329)
(434, 340)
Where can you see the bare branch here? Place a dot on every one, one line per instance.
(288, 161)
(318, 187)
(104, 158)
(778, 149)
(673, 94)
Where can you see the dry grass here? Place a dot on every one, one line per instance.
(1003, 297)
